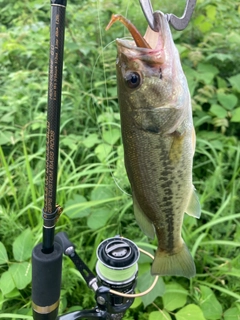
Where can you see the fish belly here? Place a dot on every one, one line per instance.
(159, 169)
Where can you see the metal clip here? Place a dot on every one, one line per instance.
(177, 23)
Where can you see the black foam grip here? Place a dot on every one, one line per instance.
(46, 276)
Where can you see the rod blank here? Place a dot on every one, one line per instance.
(50, 211)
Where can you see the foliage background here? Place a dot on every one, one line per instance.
(91, 185)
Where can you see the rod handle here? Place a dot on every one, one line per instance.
(46, 282)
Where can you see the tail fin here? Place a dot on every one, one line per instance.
(179, 264)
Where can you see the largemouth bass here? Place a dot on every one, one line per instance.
(159, 141)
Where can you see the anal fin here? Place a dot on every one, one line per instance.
(143, 221)
(193, 208)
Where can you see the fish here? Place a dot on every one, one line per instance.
(158, 140)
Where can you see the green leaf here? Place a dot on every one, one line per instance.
(102, 151)
(91, 140)
(228, 101)
(98, 218)
(211, 12)
(13, 294)
(112, 92)
(181, 49)
(209, 304)
(5, 137)
(23, 245)
(21, 274)
(221, 83)
(190, 312)
(207, 67)
(159, 315)
(220, 56)
(218, 111)
(8, 117)
(2, 300)
(105, 116)
(76, 207)
(111, 136)
(3, 254)
(206, 26)
(15, 316)
(144, 282)
(206, 72)
(191, 75)
(192, 84)
(137, 302)
(174, 297)
(102, 193)
(235, 82)
(231, 314)
(234, 37)
(203, 25)
(6, 283)
(236, 115)
(70, 141)
(143, 267)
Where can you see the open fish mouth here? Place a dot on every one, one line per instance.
(151, 44)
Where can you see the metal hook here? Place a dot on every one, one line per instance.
(177, 23)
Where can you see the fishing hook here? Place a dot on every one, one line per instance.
(177, 23)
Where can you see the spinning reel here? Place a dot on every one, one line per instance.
(114, 285)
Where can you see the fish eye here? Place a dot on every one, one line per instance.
(133, 80)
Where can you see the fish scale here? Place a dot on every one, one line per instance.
(159, 183)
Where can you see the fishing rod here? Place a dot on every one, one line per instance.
(120, 256)
(47, 256)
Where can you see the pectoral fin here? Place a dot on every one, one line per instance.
(143, 221)
(193, 208)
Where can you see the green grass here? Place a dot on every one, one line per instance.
(92, 184)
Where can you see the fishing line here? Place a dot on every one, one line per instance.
(136, 295)
(101, 55)
(101, 45)
(99, 128)
(107, 107)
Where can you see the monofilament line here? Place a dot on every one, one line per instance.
(136, 295)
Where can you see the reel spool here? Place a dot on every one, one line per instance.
(117, 267)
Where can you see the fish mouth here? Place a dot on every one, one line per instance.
(151, 44)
